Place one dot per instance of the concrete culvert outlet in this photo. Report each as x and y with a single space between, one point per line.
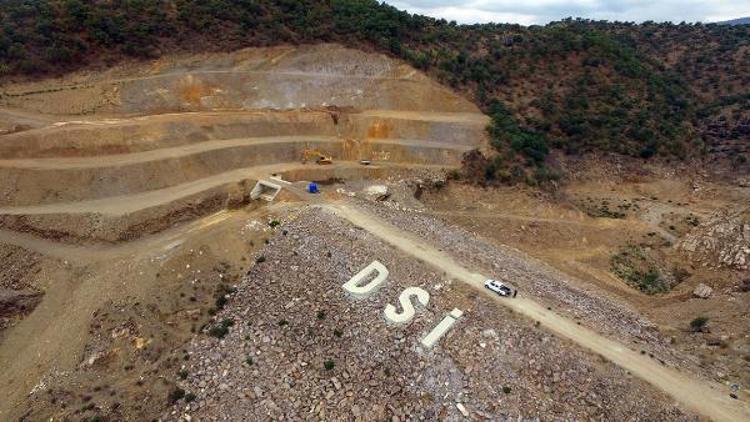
265 190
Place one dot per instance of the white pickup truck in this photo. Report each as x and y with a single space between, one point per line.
498 288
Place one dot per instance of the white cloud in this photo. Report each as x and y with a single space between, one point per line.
527 12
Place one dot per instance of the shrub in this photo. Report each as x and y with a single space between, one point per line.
698 324
634 266
506 389
221 296
651 282
512 141
321 315
221 330
176 395
329 365
505 132
218 331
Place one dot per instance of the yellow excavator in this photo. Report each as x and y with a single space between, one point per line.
317 156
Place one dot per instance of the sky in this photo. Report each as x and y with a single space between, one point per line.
530 12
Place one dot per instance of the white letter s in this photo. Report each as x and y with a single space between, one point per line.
404 298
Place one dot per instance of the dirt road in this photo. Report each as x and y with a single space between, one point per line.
83 255
199 73
125 204
604 223
103 161
22 117
433 116
706 398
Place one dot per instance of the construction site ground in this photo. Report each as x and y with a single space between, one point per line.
140 281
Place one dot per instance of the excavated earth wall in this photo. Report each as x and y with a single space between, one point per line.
128 152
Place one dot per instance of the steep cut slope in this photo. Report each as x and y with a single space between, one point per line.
274 78
574 85
142 143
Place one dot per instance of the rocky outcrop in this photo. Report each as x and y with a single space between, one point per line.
702 291
722 241
377 192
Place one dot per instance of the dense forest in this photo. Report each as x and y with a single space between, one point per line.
647 90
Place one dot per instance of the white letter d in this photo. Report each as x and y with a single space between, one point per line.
361 292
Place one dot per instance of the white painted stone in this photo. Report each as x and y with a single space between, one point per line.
439 331
405 299
352 286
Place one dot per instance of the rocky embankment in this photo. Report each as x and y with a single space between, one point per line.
291 345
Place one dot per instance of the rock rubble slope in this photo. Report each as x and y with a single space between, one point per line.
299 348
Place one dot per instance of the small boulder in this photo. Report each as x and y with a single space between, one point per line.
377 192
461 408
489 333
703 291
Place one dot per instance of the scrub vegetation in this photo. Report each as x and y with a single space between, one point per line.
633 265
577 86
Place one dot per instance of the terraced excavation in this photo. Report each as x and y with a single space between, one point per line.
137 171
143 281
115 164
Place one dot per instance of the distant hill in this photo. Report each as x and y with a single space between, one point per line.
651 89
740 21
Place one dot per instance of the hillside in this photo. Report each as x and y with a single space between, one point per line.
577 86
196 198
739 21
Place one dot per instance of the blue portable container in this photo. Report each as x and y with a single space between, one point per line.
312 188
